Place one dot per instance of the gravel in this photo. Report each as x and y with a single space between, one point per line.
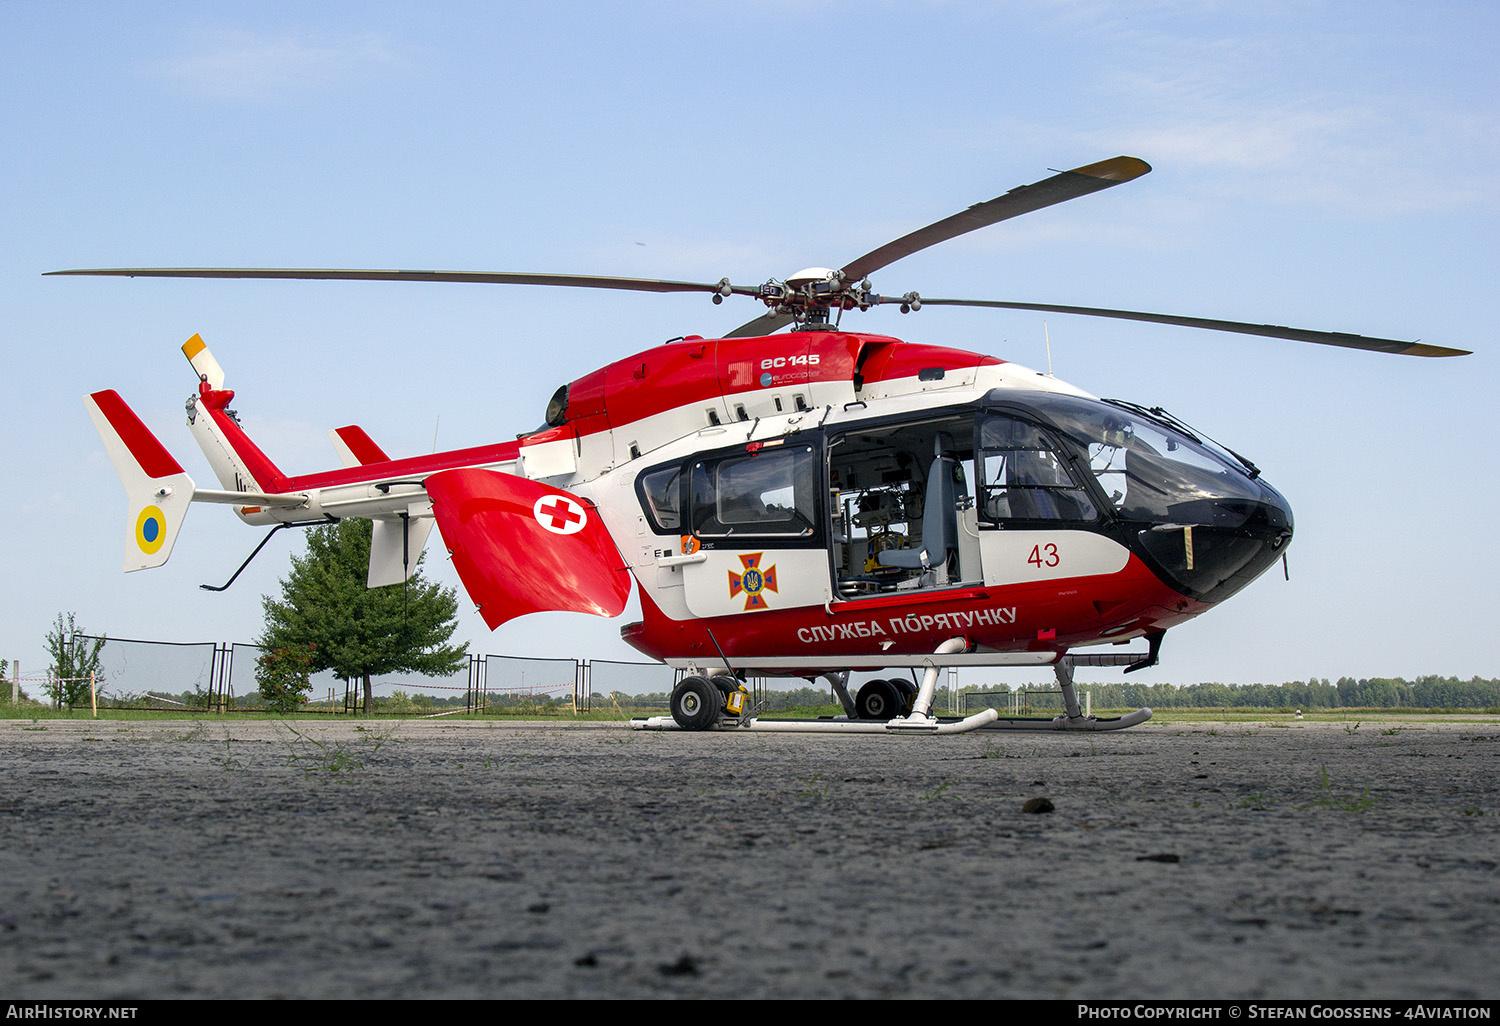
227 859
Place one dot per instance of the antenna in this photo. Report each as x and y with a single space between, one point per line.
440 420
1048 339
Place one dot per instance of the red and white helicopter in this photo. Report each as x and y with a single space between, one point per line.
800 504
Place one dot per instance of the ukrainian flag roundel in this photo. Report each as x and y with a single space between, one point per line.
150 529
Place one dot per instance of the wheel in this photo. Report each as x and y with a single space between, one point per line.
877 700
908 692
696 703
730 686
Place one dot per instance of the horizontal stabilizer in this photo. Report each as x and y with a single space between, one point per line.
157 488
522 547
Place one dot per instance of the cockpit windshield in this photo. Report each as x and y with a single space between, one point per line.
1147 470
1204 519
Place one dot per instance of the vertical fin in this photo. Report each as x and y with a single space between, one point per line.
156 486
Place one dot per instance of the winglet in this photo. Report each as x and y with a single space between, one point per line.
355 447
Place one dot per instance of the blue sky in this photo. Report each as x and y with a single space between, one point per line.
1325 165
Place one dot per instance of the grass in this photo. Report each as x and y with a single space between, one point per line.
331 758
44 713
1324 797
937 792
810 788
1350 718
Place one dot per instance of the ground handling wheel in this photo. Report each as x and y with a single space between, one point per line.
878 700
734 693
696 703
908 695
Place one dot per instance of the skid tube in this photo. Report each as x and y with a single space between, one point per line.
831 726
920 721
1073 717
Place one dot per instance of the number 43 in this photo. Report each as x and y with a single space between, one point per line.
1043 555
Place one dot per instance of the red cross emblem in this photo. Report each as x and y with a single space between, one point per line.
559 514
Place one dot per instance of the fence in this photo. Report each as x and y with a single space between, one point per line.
210 675
1023 701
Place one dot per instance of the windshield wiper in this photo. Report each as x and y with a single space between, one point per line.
1161 416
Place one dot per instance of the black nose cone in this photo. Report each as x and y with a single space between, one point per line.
1217 545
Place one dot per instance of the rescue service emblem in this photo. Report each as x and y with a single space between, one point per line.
559 514
752 582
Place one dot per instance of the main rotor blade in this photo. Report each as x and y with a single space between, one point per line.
766 323
1323 338
1021 200
586 281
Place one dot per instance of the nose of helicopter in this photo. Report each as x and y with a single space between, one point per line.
1220 543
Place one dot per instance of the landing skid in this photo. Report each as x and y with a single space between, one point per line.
984 721
695 698
1069 722
903 725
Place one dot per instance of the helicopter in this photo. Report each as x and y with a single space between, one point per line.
808 503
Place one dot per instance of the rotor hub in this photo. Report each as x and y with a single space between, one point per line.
812 292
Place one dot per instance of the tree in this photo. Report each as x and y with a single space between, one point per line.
74 661
360 632
282 674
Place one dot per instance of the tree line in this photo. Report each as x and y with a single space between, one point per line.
1427 692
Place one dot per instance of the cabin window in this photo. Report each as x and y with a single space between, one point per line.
770 491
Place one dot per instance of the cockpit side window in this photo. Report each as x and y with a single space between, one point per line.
660 493
1024 476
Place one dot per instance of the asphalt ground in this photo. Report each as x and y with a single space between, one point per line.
439 858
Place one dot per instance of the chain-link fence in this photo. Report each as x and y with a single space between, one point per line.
158 674
521 684
208 675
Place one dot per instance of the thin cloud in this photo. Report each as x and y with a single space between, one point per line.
246 66
1334 156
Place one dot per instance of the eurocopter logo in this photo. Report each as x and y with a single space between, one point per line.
559 514
753 583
